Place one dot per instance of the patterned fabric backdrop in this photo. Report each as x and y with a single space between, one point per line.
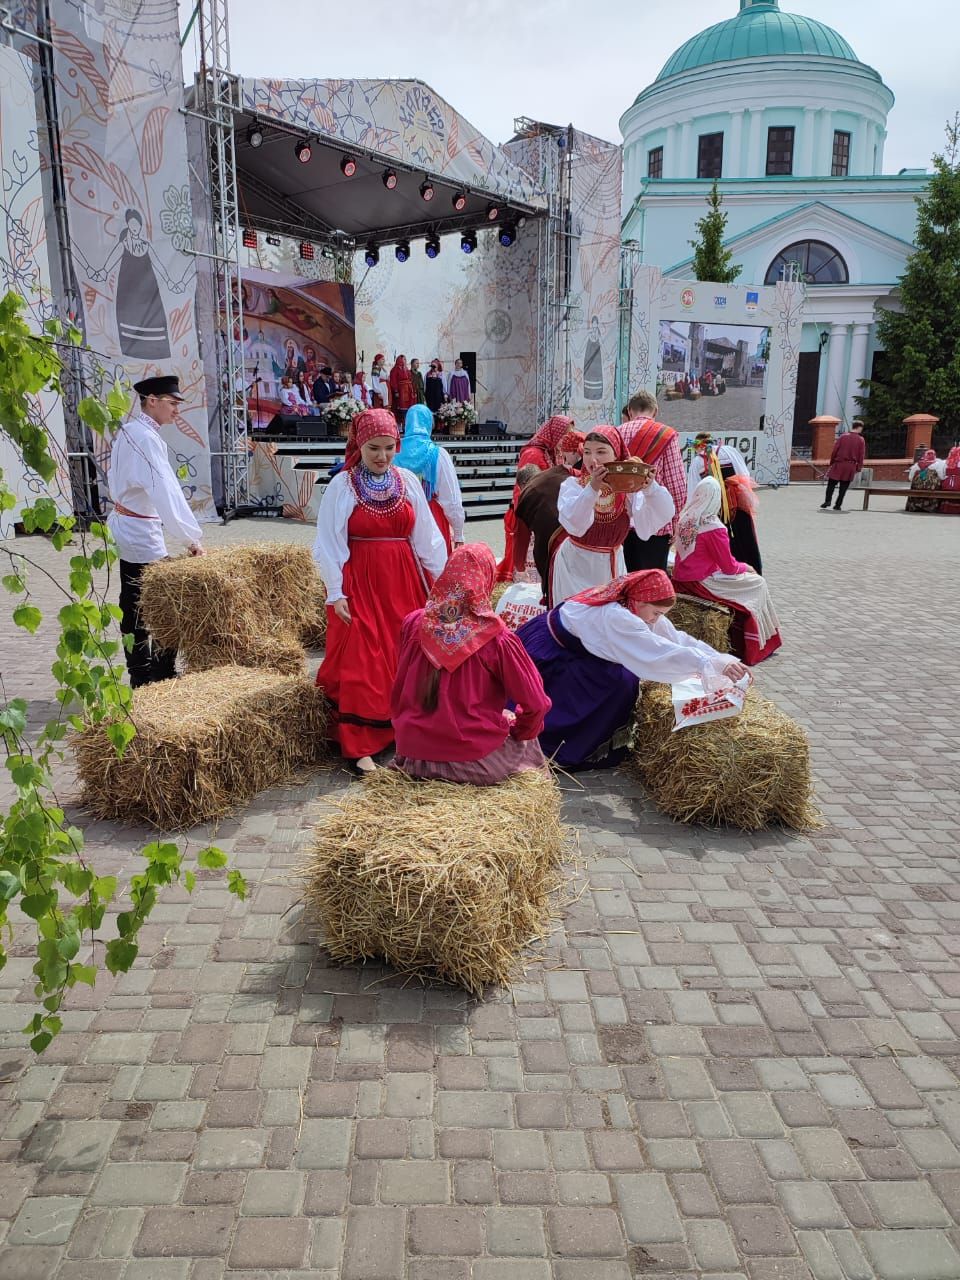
24 266
124 149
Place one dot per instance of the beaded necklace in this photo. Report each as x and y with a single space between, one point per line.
609 506
379 495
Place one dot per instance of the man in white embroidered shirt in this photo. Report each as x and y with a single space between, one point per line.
147 500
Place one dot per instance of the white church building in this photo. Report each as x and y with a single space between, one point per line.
780 111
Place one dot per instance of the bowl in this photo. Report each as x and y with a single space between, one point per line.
627 477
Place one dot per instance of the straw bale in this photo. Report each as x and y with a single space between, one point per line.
497 592
205 743
749 771
703 620
313 633
440 879
246 605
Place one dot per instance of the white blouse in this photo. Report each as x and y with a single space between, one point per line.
650 509
142 479
448 494
939 469
660 652
331 548
726 456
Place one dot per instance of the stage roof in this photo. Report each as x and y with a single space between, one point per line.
399 124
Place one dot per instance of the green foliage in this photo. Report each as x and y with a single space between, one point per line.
922 341
44 868
711 261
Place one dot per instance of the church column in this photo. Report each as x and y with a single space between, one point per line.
859 165
671 154
836 362
688 168
858 370
806 162
756 146
733 157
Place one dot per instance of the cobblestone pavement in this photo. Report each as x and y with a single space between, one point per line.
738 1061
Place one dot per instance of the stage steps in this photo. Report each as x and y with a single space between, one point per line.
486 466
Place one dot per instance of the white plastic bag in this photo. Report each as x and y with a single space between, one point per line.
693 704
519 603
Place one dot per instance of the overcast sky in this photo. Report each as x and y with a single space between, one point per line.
584 61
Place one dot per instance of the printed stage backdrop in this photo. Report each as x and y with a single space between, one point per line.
722 358
124 148
24 266
292 326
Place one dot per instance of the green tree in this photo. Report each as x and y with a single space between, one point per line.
44 868
711 261
922 341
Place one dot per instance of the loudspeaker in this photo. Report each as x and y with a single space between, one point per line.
469 359
283 424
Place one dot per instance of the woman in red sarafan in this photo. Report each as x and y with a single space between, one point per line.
458 669
402 395
378 549
543 451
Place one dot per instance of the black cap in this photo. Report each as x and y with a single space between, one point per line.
165 386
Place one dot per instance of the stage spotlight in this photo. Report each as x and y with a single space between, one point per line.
389 178
459 201
507 234
521 221
468 241
426 189
303 151
348 166
250 240
493 212
402 250
255 136
306 251
372 256
432 247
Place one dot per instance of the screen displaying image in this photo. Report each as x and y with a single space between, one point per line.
711 377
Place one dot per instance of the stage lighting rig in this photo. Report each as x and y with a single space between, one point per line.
402 251
459 201
306 251
348 166
507 234
468 241
250 240
254 136
432 247
303 151
372 255
389 179
426 190
493 212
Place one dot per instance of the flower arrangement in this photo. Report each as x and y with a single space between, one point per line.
454 416
338 414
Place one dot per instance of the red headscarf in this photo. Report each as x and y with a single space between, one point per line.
612 437
572 442
927 459
549 435
458 619
646 586
367 426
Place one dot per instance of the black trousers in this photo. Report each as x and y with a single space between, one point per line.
146 662
831 485
646 553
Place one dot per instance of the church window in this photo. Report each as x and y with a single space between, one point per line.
811 261
841 154
780 151
655 162
710 155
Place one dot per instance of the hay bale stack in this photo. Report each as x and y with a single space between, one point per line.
205 743
497 592
749 772
313 632
704 621
246 605
442 880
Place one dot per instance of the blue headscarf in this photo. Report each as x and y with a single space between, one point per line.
418 453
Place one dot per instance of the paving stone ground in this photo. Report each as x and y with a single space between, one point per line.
738 1059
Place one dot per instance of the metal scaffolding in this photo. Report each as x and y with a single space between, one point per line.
217 101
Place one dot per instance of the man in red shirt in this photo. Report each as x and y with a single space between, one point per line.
659 445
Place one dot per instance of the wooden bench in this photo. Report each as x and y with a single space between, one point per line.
927 495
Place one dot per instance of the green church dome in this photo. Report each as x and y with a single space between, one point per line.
759 30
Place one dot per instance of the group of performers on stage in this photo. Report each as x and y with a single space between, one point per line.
416 655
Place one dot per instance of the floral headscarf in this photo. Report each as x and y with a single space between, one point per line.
611 436
459 619
702 512
548 436
646 586
367 426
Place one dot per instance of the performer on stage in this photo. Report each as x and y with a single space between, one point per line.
458 669
433 388
597 521
360 392
543 451
401 388
659 445
377 550
379 384
460 388
433 466
416 377
593 651
739 504
705 567
147 500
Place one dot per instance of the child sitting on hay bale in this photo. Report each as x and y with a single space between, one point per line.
592 653
459 667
